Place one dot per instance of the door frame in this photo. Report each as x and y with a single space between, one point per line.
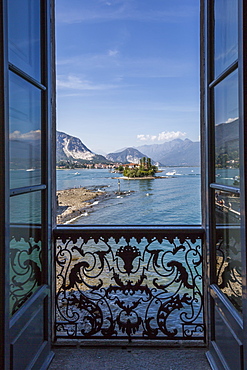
232 321
11 329
4 195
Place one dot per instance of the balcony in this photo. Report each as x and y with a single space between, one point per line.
129 283
126 294
129 358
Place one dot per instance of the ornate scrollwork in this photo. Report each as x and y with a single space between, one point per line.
143 287
228 254
25 271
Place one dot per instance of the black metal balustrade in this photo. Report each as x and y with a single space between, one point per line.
129 282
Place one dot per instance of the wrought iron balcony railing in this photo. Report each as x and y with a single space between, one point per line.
129 282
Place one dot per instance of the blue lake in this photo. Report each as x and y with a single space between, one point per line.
174 200
170 201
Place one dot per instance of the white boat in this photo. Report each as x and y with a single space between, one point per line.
171 173
77 173
30 170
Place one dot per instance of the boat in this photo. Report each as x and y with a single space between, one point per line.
77 173
171 173
30 170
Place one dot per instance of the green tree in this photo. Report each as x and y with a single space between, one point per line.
145 169
141 163
149 163
144 162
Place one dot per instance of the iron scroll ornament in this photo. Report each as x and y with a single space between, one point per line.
228 264
25 270
118 287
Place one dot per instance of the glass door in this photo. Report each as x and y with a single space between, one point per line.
28 126
224 173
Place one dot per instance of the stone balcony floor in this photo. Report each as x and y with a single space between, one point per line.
129 357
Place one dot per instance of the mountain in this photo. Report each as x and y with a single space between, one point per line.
72 148
158 150
227 135
173 153
25 154
176 152
227 144
128 155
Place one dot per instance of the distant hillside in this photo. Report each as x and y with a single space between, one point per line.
227 144
227 134
173 153
25 154
128 155
72 148
176 152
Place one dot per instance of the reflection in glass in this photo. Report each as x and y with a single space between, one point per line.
226 34
228 246
25 248
26 208
227 131
24 36
25 270
25 133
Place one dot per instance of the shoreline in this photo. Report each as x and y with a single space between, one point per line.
73 203
142 178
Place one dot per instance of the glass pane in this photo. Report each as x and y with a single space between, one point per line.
227 131
26 209
226 34
25 133
24 36
228 247
25 248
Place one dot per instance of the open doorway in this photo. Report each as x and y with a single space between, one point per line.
128 149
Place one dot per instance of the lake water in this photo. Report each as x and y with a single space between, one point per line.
174 200
167 201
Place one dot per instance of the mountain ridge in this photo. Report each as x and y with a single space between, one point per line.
128 155
71 148
176 152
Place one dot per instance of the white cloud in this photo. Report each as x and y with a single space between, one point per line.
76 83
162 136
31 135
113 53
231 120
112 61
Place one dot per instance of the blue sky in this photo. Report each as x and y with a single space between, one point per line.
127 71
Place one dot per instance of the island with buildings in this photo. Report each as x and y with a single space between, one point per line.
145 169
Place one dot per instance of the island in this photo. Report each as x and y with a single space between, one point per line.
144 169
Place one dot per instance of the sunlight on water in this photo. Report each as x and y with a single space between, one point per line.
172 200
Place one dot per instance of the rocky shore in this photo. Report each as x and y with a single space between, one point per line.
72 203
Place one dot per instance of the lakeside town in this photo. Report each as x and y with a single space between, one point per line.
63 165
141 169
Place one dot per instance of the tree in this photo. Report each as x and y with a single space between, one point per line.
144 162
145 169
149 163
